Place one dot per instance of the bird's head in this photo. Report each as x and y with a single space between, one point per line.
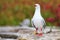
37 6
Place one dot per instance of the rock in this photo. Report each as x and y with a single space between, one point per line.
47 30
26 22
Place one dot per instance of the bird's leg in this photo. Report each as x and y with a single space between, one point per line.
35 32
40 33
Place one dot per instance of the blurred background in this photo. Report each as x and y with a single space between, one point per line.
14 12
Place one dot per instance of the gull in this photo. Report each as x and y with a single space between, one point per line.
38 21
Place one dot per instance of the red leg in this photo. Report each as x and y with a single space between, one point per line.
36 29
40 34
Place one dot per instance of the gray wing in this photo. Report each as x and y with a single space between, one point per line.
33 24
44 24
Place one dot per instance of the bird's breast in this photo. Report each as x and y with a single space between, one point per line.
37 22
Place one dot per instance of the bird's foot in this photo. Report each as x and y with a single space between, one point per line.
39 34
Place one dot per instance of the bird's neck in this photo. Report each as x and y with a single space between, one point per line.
37 12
